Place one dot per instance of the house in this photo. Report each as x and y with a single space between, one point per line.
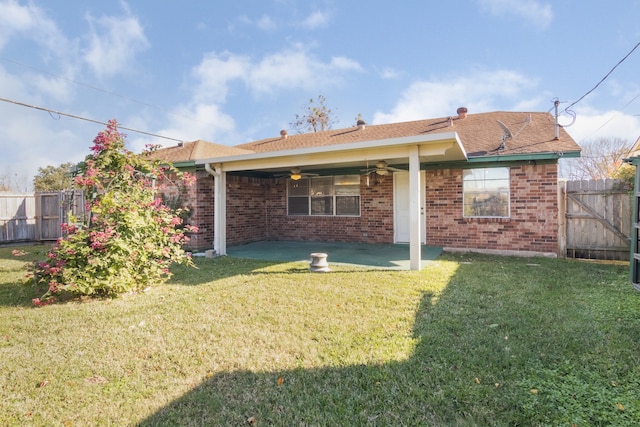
480 182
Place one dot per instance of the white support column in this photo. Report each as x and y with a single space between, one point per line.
220 211
415 232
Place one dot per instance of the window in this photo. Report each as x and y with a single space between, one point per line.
485 192
327 195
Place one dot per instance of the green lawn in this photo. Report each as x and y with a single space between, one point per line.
470 340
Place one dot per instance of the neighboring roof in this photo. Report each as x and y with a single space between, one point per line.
634 151
194 150
480 134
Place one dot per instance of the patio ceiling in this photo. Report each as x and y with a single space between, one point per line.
345 158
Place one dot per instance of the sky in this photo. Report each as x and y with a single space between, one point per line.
236 71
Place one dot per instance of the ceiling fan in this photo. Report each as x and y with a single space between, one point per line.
296 174
381 168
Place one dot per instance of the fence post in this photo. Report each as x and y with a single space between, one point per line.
562 218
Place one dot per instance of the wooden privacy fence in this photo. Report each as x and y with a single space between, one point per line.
597 219
37 217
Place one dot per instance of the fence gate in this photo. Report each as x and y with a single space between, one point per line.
598 220
50 214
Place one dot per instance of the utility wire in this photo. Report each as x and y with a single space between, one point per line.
73 116
616 115
605 77
105 91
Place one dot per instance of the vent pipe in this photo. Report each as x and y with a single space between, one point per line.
462 112
556 103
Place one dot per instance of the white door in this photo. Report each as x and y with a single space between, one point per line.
401 207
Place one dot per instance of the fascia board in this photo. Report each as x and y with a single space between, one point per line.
521 157
332 153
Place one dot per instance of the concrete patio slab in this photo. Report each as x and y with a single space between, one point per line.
384 256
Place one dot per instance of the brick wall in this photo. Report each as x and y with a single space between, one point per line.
198 198
201 205
374 225
246 209
256 210
532 226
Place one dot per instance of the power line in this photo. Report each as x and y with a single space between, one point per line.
105 91
73 116
616 115
605 77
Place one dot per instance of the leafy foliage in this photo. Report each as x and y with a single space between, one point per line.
53 178
130 238
627 174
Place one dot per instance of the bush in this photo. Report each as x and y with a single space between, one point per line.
130 237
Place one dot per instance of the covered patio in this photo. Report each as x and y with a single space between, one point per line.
383 256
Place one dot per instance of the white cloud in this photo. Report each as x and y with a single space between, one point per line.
297 69
11 85
593 124
38 140
439 98
31 22
215 73
344 63
219 73
266 23
315 20
29 19
389 73
114 42
188 122
532 11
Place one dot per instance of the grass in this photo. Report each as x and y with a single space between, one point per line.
470 340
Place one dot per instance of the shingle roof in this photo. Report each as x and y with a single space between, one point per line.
196 150
480 134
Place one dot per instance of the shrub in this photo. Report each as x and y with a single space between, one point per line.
129 239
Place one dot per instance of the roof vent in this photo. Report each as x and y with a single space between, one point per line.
283 134
462 112
361 124
180 144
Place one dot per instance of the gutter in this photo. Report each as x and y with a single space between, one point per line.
212 172
520 157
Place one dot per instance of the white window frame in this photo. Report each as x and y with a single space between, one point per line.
485 183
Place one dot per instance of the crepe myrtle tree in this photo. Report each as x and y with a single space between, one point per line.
128 240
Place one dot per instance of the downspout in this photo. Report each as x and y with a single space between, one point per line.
219 208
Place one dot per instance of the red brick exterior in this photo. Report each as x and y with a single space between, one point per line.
247 201
256 210
533 222
374 225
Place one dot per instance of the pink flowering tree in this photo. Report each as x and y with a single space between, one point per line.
129 238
